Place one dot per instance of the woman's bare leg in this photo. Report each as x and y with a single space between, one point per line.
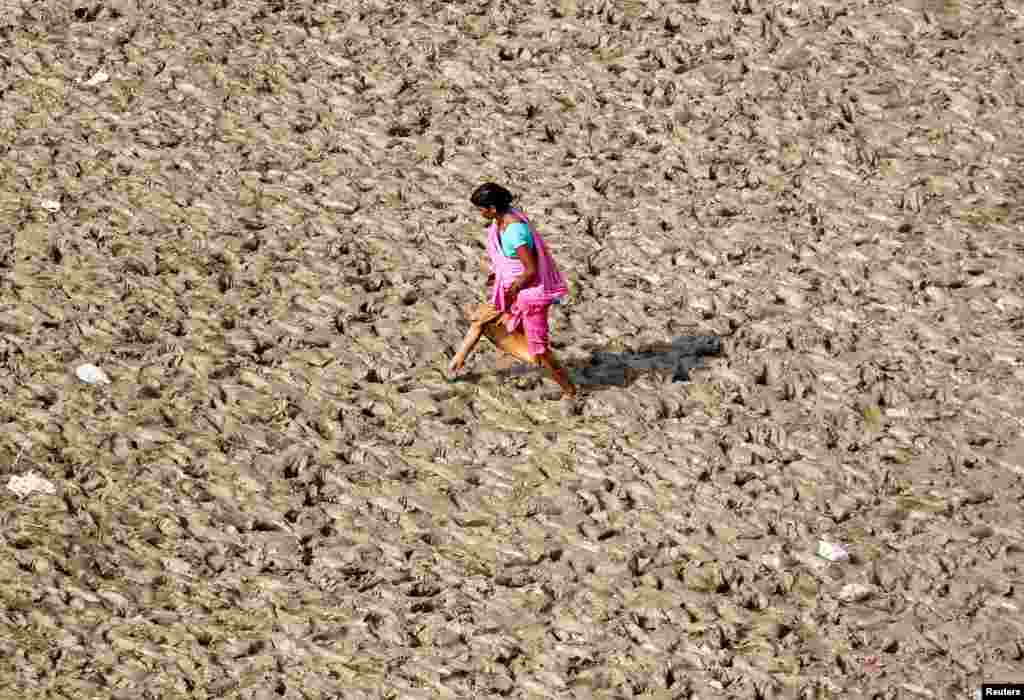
514 344
468 343
558 373
479 317
517 345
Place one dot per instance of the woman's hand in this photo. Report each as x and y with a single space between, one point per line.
512 292
529 260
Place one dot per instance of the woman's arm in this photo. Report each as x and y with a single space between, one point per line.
489 268
529 260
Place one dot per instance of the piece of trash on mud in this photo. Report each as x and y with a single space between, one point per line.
873 664
856 592
50 205
29 483
832 552
99 77
91 374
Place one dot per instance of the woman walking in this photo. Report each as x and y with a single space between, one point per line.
526 283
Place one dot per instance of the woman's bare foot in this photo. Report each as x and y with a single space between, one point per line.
560 376
572 404
456 366
558 373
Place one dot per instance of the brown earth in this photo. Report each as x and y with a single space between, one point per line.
254 217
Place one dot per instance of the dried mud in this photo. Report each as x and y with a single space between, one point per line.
793 232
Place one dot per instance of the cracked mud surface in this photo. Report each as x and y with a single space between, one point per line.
254 218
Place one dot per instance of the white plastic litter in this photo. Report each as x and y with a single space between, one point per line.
99 77
51 205
91 374
29 483
856 592
832 552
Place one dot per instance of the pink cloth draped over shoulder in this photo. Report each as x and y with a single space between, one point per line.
531 304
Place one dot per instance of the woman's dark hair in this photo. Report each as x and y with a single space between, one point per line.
491 195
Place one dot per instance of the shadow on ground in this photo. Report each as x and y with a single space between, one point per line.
621 369
605 369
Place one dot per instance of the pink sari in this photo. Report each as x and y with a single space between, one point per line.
530 309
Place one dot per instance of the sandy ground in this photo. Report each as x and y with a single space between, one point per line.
794 236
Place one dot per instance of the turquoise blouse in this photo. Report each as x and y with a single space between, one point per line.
515 235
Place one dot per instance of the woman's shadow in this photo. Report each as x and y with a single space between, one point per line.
674 359
603 369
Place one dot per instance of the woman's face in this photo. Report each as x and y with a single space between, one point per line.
488 213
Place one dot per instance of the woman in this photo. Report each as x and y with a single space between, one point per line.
526 283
